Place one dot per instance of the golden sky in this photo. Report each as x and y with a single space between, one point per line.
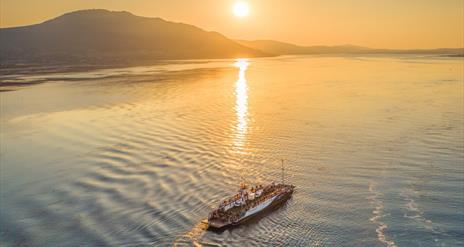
372 23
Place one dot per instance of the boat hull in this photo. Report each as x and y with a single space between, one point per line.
277 202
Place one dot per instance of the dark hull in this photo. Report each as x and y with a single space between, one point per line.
279 201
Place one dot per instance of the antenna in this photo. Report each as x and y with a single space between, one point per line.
283 173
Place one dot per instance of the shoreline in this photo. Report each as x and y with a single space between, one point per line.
11 75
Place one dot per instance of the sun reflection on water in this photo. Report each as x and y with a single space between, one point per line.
241 102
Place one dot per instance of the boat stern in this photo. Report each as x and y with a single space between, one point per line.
217 224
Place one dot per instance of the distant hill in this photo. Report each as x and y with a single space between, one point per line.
281 48
102 36
106 38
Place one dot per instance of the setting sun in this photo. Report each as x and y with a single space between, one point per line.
241 9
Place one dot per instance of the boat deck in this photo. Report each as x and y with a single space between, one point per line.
237 212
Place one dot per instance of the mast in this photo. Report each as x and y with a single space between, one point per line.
283 178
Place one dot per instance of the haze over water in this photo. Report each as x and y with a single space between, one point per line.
139 156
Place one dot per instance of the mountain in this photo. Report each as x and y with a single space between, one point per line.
281 48
107 37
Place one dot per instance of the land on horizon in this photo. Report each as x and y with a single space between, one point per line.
107 38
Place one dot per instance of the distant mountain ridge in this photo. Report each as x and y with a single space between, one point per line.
102 36
281 48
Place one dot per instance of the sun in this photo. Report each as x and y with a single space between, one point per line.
241 9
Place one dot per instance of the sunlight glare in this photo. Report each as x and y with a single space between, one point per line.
241 9
241 103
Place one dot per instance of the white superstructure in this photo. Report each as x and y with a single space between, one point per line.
259 207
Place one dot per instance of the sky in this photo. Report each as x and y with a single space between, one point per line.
400 24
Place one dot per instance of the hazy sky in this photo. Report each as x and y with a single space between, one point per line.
373 23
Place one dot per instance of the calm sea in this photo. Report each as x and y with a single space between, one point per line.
139 156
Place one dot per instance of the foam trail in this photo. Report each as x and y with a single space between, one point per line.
376 200
414 211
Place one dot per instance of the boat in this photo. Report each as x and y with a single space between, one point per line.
249 202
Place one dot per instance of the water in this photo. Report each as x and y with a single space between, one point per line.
139 156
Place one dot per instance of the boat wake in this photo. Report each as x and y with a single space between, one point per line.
191 237
376 200
414 211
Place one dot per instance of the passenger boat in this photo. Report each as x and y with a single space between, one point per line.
249 202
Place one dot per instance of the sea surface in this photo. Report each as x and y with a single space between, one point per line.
139 156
